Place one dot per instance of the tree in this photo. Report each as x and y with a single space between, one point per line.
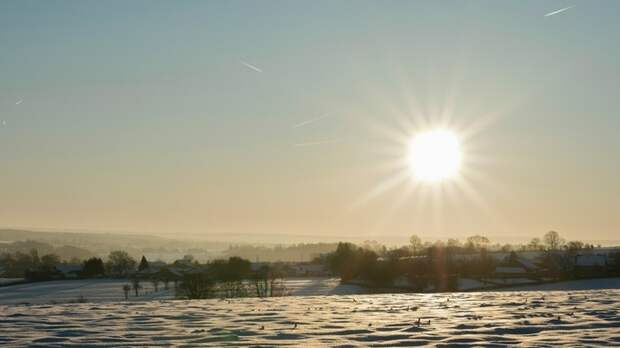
49 261
120 263
275 275
342 262
453 243
477 242
553 240
144 264
34 255
93 267
155 283
415 243
535 244
231 274
135 284
260 278
195 286
573 246
17 264
166 276
126 289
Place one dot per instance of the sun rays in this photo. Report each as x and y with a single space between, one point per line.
433 162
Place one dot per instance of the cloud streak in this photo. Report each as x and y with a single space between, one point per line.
19 102
310 121
559 11
315 143
250 66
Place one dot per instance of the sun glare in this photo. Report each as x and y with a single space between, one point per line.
435 155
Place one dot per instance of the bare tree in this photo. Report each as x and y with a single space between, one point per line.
120 263
155 283
535 244
553 240
415 243
126 289
195 286
477 242
135 284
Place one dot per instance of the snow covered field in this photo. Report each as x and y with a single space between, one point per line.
106 290
557 318
63 291
584 284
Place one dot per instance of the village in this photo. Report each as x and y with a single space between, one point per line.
371 267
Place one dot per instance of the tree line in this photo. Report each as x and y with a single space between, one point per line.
231 277
425 264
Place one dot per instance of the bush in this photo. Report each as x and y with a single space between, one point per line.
93 267
195 286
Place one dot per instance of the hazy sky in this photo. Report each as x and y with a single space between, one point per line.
264 118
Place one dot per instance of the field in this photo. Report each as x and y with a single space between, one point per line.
323 313
563 318
106 290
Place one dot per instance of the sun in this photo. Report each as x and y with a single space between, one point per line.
435 155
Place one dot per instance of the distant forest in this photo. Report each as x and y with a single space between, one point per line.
70 247
285 253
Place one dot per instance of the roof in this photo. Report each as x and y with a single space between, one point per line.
527 264
68 268
590 260
310 267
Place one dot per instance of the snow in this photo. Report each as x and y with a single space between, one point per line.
6 281
512 281
63 291
106 290
510 270
584 284
517 318
468 284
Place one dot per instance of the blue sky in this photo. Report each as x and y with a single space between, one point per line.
140 116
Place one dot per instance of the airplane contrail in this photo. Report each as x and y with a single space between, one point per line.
316 143
307 122
559 11
18 102
250 66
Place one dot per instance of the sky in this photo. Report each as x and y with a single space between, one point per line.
281 120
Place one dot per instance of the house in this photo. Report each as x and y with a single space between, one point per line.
255 266
590 265
308 269
153 268
527 264
515 266
590 260
69 271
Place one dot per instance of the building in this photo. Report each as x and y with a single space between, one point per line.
70 271
307 269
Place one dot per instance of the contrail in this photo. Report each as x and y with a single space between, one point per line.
250 66
316 143
559 11
18 102
307 122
